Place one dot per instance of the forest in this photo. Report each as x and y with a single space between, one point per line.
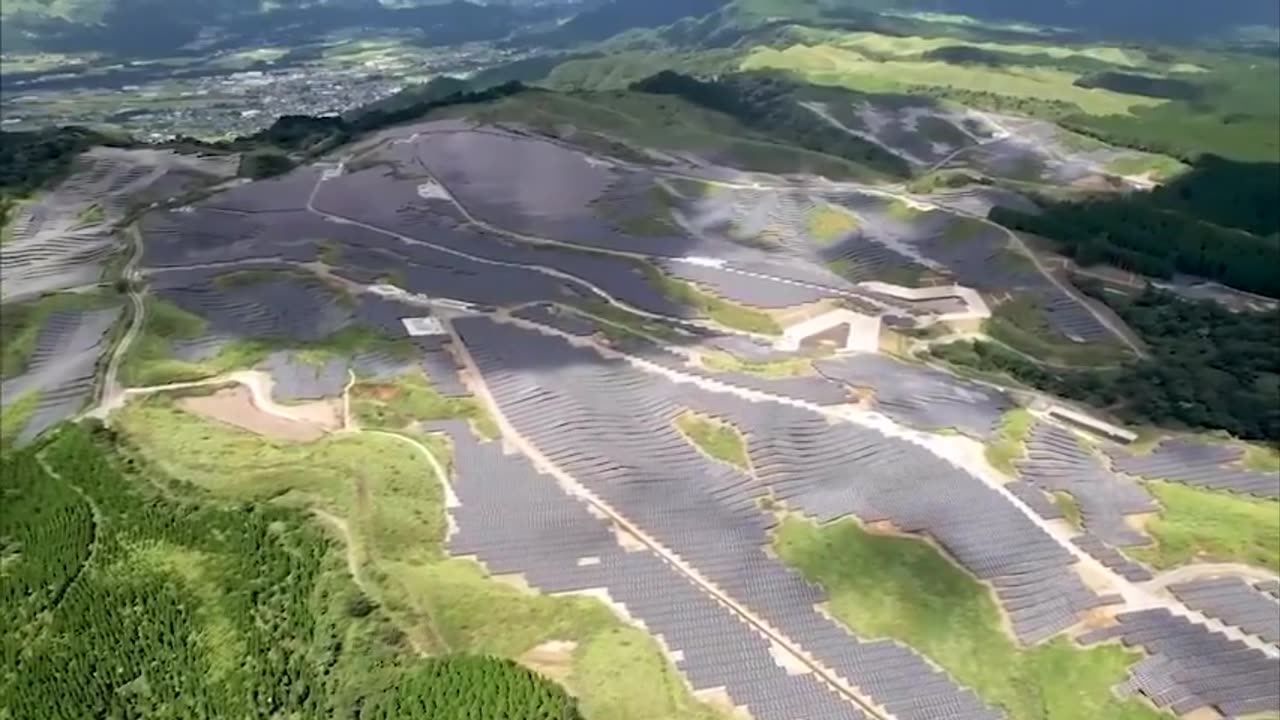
767 104
32 160
1209 368
1220 221
128 594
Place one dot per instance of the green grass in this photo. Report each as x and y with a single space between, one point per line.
384 490
1021 324
902 588
725 312
715 437
848 66
1160 167
727 362
1262 458
827 224
1069 507
21 323
900 210
1008 445
410 398
14 416
1211 526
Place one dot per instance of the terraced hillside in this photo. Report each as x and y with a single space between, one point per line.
658 422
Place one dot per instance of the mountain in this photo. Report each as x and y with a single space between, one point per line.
151 27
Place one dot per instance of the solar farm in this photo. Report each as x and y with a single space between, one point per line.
537 317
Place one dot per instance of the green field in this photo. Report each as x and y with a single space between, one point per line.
1209 526
381 487
902 588
128 592
715 437
827 224
727 362
399 403
1008 445
1021 324
1066 502
849 67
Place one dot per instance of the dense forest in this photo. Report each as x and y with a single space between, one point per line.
1134 84
1219 221
1209 368
767 104
127 594
32 160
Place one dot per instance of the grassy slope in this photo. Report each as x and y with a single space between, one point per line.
397 520
849 67
902 588
1210 526
790 367
827 223
1007 446
715 437
409 398
1023 325
14 416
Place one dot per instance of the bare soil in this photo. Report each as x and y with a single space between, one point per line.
235 407
553 658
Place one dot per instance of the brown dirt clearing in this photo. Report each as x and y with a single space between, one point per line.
235 407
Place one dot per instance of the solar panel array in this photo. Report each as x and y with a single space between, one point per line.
834 470
1112 558
1234 602
1202 464
1189 667
919 396
1056 462
1036 499
515 520
609 426
294 379
62 367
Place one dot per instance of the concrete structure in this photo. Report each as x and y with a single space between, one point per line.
863 334
1091 424
960 307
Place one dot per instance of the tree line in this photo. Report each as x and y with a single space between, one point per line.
1209 368
1220 221
768 104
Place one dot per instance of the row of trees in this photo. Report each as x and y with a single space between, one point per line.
768 104
1219 222
128 602
1209 368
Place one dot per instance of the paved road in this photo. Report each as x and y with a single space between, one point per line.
110 393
